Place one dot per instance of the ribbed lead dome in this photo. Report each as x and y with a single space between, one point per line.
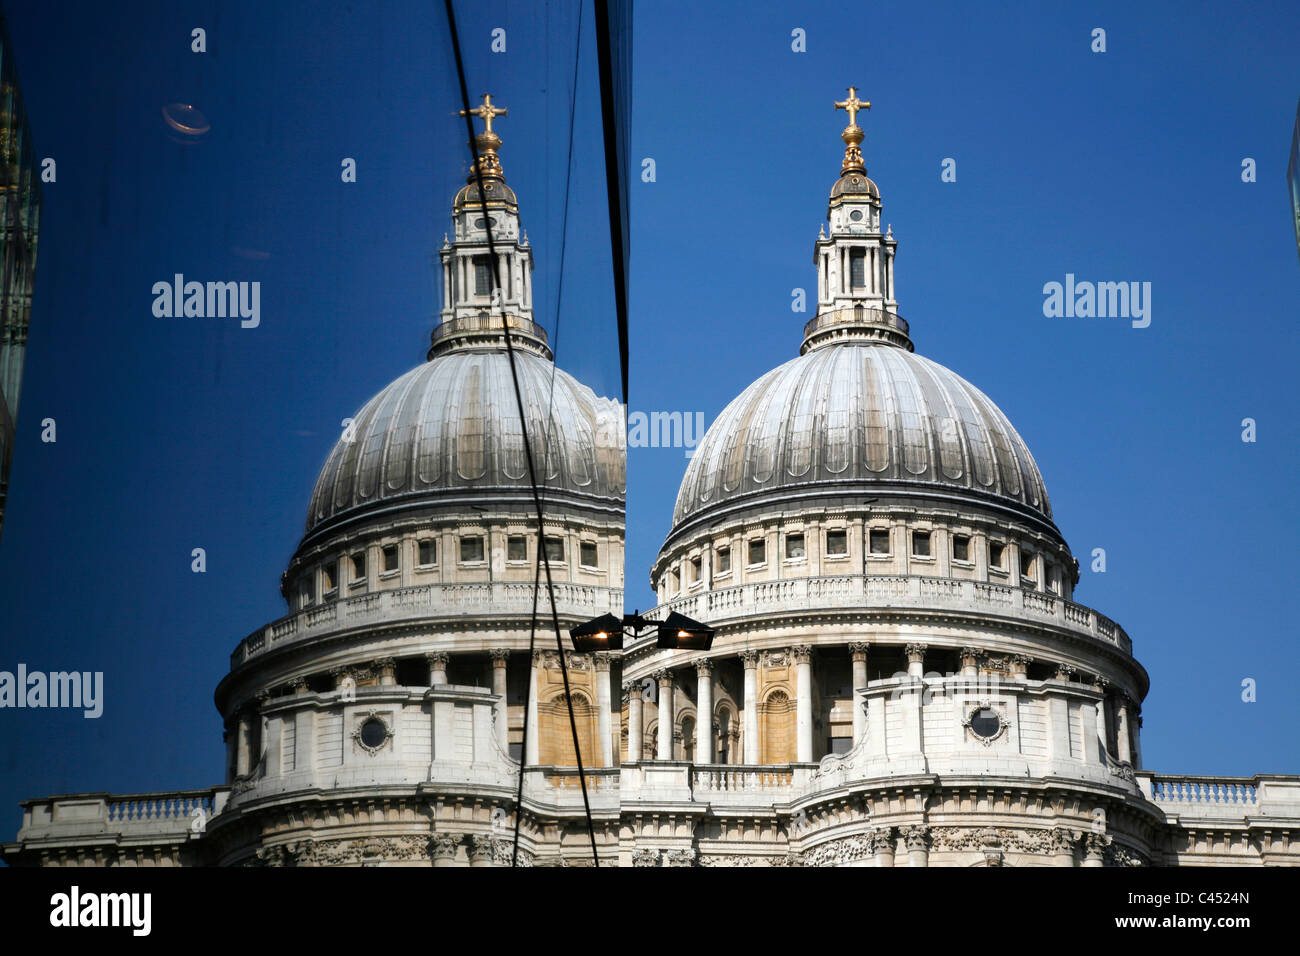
452 424
867 415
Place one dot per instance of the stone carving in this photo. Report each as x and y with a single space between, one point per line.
775 659
858 650
883 840
704 667
444 846
680 857
645 856
1003 723
499 653
749 658
838 852
802 653
915 652
397 849
915 837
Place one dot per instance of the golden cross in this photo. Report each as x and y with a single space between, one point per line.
486 112
852 105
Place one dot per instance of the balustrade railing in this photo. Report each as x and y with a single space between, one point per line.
583 601
882 590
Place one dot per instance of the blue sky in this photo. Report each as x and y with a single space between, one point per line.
174 434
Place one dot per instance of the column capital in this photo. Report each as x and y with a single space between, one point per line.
916 837
858 650
802 653
437 658
1021 661
749 658
630 687
499 656
703 666
444 845
383 662
602 659
1065 671
969 655
664 676
481 847
915 652
883 840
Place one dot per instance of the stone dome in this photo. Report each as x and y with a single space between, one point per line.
855 184
861 418
451 427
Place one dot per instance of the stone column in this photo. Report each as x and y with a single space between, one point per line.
704 710
917 839
750 730
437 666
444 847
664 751
533 755
804 703
1122 731
1095 849
915 659
858 652
1062 843
1020 666
243 743
500 659
635 723
883 844
480 850
970 657
601 661
387 667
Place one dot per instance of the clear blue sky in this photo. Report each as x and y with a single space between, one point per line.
176 434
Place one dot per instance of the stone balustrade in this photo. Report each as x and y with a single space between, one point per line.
426 601
766 599
157 815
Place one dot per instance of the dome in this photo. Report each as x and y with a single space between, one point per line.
452 425
854 184
494 191
861 418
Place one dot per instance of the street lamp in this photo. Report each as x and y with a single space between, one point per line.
677 632
604 633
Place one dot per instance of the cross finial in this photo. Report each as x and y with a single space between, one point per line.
487 142
487 112
852 105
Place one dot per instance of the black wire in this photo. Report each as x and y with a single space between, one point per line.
528 453
614 181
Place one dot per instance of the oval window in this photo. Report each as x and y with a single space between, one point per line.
985 723
856 215
373 734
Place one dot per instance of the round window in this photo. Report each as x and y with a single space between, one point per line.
985 723
373 733
856 215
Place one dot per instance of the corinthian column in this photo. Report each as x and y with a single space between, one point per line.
1122 738
665 748
437 667
602 659
533 755
804 703
499 657
750 660
704 711
858 651
634 720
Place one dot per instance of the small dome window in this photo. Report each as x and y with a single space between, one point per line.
985 723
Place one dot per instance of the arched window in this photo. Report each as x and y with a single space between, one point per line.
777 729
687 748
